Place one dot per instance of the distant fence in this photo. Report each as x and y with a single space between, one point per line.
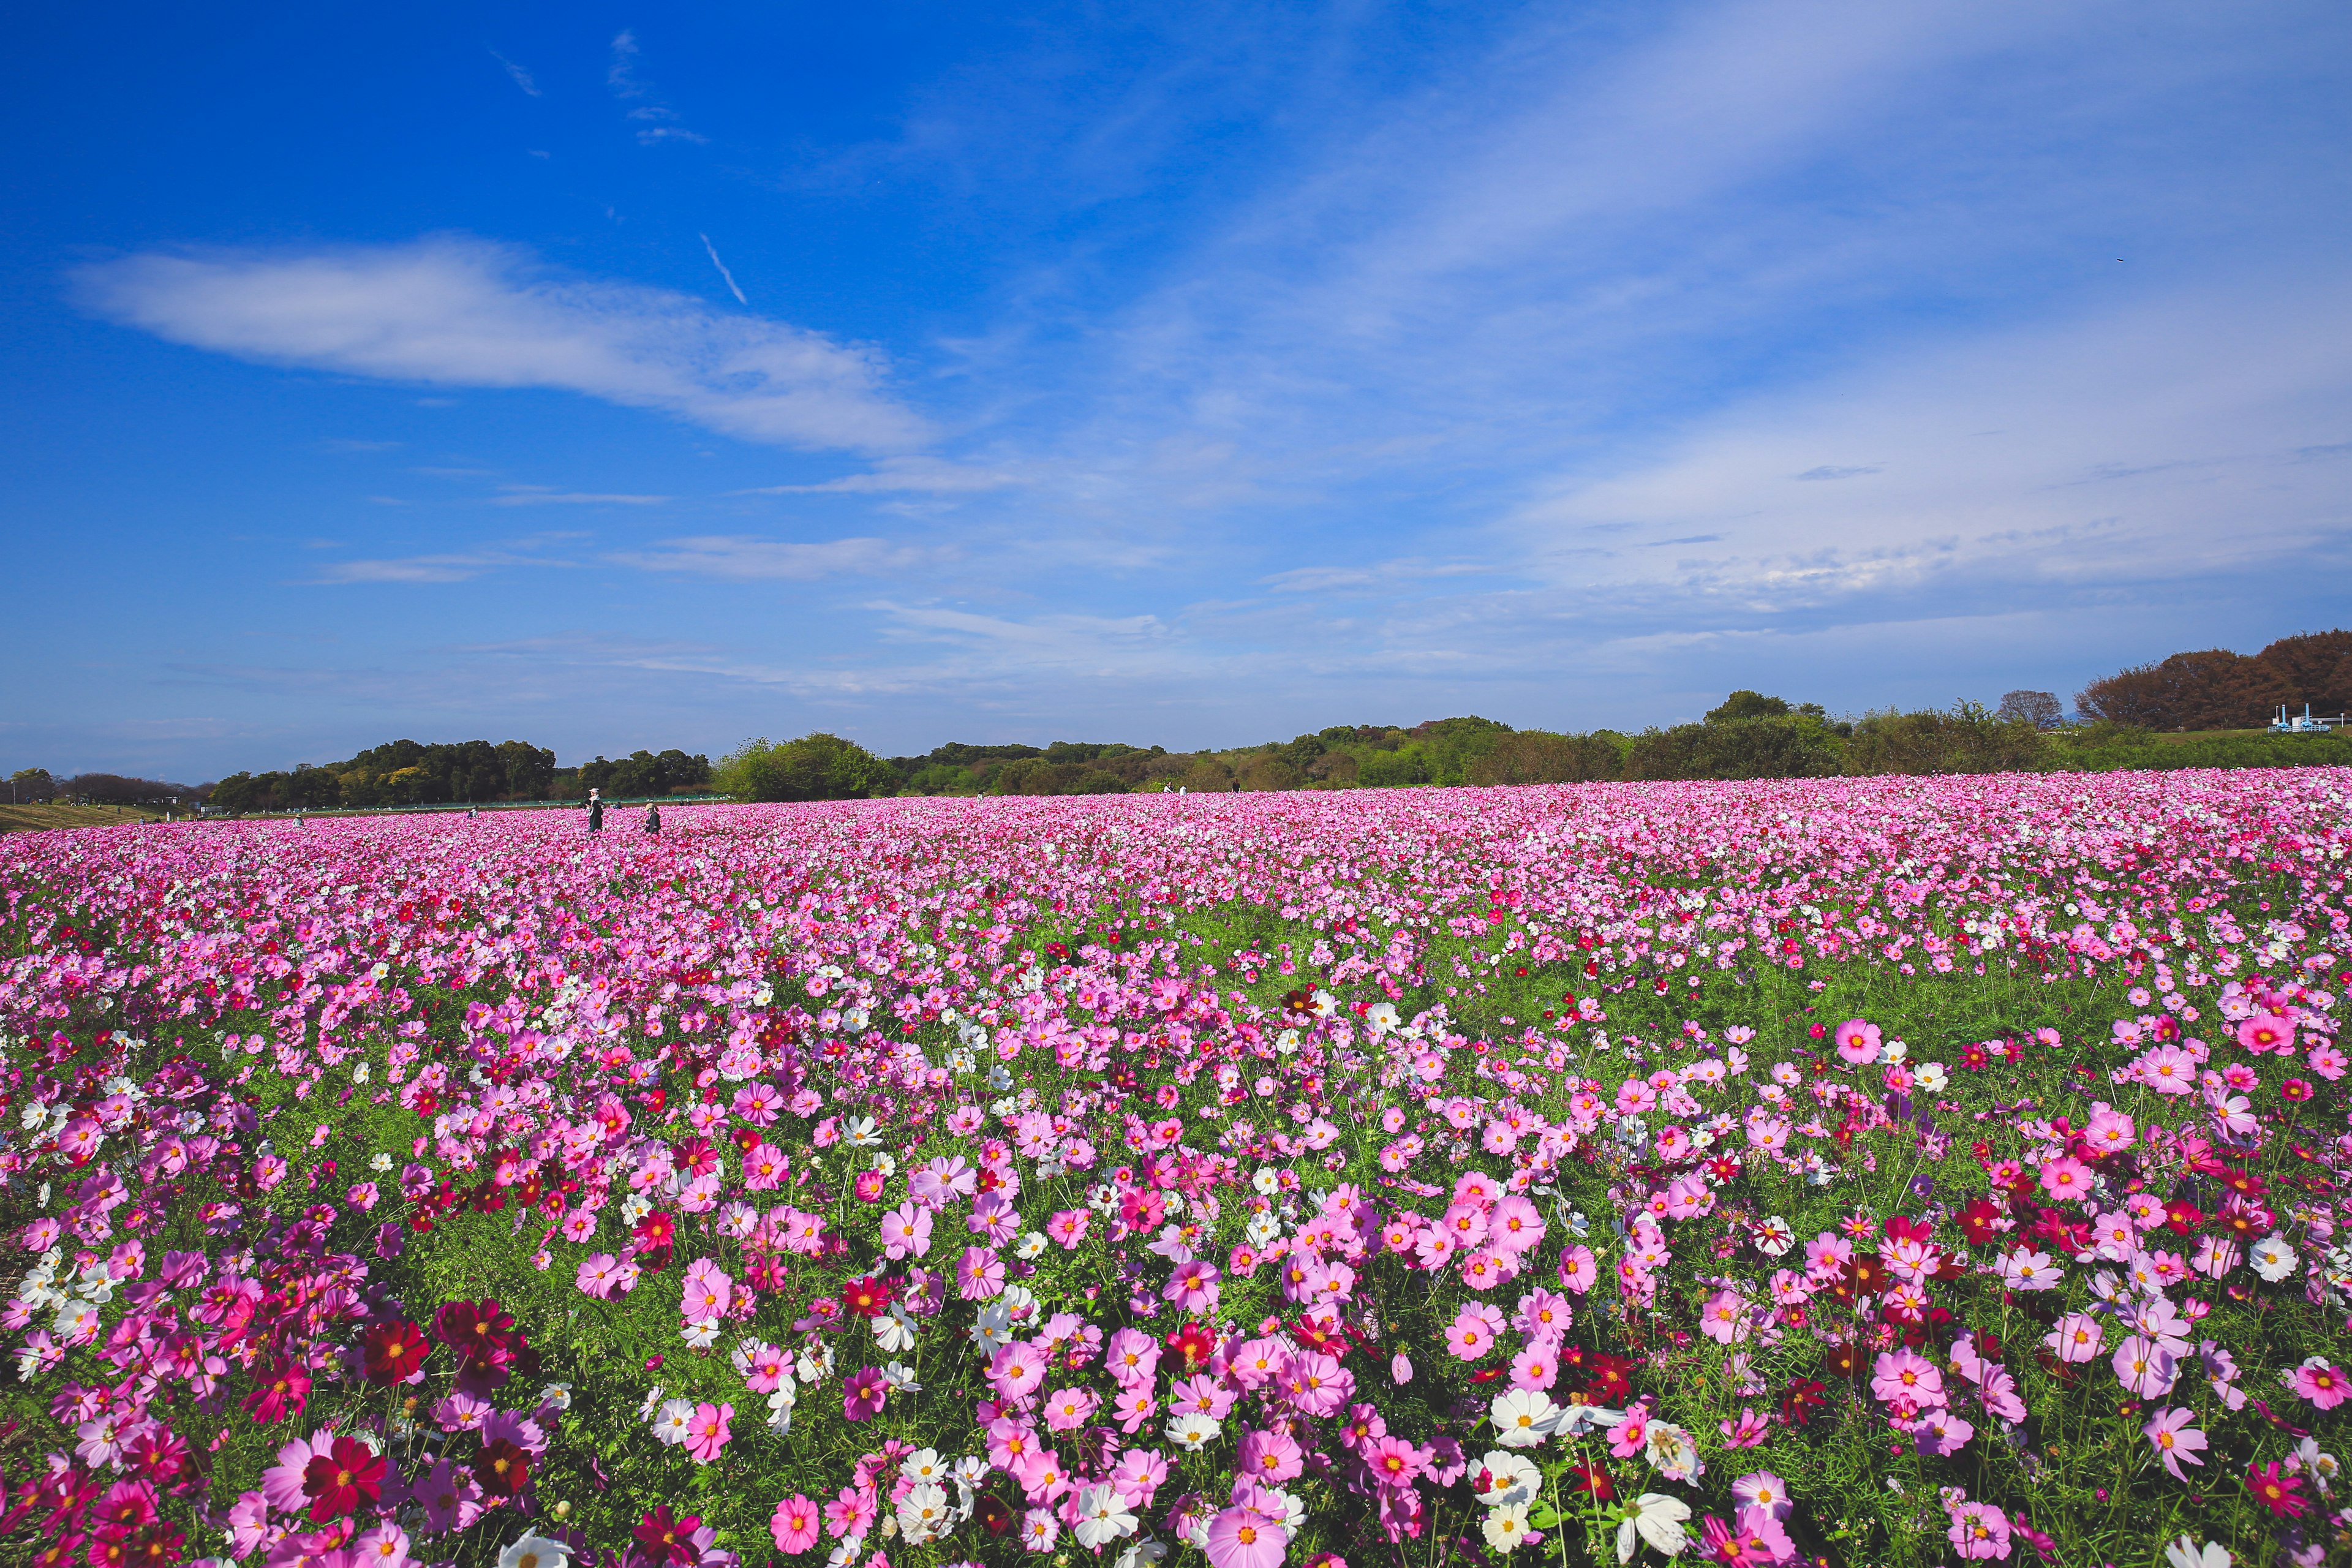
483 805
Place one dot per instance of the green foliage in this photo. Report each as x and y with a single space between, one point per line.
1535 756
820 766
1744 704
1967 738
1801 745
641 773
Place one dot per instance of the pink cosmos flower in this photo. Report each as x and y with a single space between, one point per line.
1577 1268
1472 1332
2066 1178
1903 1374
1723 1316
1978 1529
2174 1440
980 1274
1194 1286
1536 1367
1750 1431
1857 1042
864 1393
1068 1226
2324 1385
1270 1457
707 1433
1763 1490
1392 1461
2144 1367
1244 1538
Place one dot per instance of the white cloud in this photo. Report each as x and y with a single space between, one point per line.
2086 454
919 475
742 558
462 313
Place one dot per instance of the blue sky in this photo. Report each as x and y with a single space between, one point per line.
614 376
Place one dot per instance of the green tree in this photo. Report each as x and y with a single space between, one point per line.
1969 739
821 766
1533 756
1745 704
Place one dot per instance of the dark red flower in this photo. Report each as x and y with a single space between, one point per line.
503 1467
1591 1479
396 1354
475 1330
1803 1399
341 1480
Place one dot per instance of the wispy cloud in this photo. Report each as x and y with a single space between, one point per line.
464 312
621 76
451 566
534 495
742 558
732 287
921 475
1383 577
522 79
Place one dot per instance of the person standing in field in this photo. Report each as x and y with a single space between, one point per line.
595 811
653 819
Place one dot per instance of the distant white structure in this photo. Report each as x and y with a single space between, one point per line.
2303 723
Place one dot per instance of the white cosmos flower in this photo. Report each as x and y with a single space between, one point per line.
1658 1520
1509 1479
861 1133
1524 1417
1193 1432
535 1552
2273 1258
895 1331
922 1513
674 1421
1103 1518
1143 1554
2185 1554
1774 1236
1507 1527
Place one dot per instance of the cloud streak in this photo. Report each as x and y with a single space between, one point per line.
454 311
742 558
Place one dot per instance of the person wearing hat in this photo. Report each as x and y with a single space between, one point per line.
653 818
595 811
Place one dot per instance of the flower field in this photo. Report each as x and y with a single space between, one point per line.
1875 1172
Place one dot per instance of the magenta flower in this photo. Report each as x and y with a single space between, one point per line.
864 1393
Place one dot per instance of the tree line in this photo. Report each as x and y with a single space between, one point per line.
2119 720
1750 735
2214 688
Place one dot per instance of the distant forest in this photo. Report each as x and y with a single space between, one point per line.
2152 715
